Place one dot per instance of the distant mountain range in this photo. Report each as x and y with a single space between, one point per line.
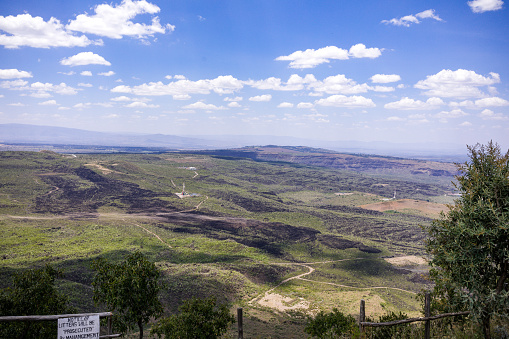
50 135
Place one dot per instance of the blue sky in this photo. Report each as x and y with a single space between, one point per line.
397 71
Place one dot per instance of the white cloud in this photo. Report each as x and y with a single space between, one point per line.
338 84
413 19
491 102
233 99
84 58
481 6
285 105
86 73
182 88
140 104
344 101
13 84
202 105
116 21
488 114
179 77
394 118
121 98
305 105
14 74
466 124
264 97
383 89
294 83
311 58
82 105
25 30
385 78
17 104
107 74
411 104
81 84
61 88
234 104
453 114
48 103
456 84
360 51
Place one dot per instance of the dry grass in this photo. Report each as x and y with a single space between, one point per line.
429 209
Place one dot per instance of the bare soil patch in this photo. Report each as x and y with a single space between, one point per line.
282 303
409 260
429 209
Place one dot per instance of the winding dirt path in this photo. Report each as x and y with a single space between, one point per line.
267 294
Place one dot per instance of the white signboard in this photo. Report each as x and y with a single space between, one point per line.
85 327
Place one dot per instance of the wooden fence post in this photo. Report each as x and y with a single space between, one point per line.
239 323
362 317
110 320
427 313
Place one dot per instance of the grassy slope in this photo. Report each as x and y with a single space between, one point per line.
295 217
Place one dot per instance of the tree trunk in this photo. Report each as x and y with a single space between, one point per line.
140 325
486 326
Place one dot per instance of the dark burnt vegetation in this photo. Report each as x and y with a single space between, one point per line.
84 190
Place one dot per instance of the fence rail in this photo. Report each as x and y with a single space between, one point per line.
427 318
58 316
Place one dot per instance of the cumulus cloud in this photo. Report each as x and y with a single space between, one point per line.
121 98
408 20
491 102
86 73
488 114
385 78
107 74
294 83
338 84
411 104
85 58
481 6
234 104
453 114
461 83
183 88
285 105
311 58
61 88
140 104
264 97
394 118
116 21
202 105
14 74
25 30
48 103
233 99
346 101
305 105
13 84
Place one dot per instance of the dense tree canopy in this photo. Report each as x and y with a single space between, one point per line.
198 318
129 289
33 292
469 245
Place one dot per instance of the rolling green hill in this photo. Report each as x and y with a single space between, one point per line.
244 225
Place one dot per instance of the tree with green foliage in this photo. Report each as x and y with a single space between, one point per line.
33 292
198 318
331 325
469 245
128 289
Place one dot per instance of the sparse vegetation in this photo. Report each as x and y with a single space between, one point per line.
255 222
